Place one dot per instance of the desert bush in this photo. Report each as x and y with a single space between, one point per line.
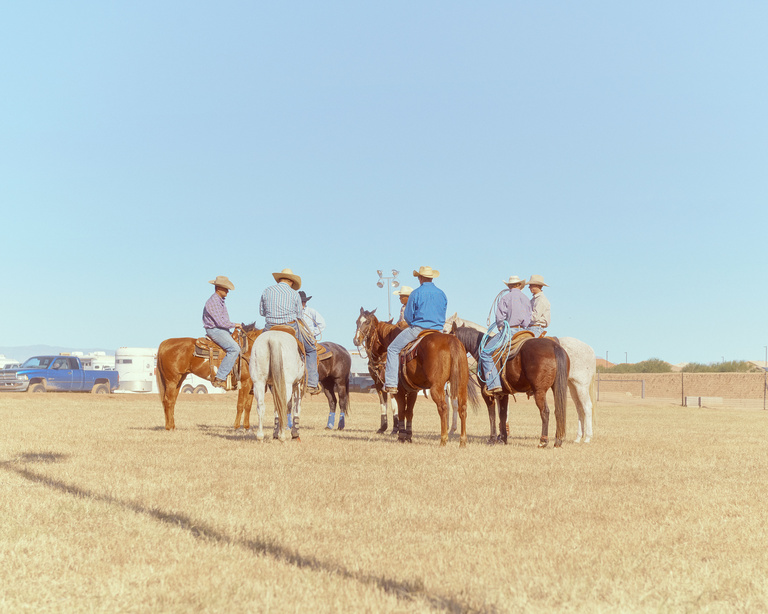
652 365
732 366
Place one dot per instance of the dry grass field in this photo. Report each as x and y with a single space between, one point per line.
105 511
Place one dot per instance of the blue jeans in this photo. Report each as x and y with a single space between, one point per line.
536 330
489 370
393 353
311 350
222 337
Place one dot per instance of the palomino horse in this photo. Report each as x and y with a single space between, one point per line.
439 359
539 365
176 359
275 360
334 376
581 380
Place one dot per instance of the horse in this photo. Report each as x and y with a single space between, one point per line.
277 362
176 359
439 359
539 365
581 380
334 376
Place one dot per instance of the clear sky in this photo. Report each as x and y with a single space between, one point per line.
619 149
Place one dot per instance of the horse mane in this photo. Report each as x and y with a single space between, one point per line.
470 337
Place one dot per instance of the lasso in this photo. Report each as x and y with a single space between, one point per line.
504 335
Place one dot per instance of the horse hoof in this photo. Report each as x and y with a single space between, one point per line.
542 444
297 439
382 430
453 430
587 439
492 441
463 443
577 440
558 443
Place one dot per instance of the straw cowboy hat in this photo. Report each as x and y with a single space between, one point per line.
514 279
537 280
288 274
223 281
404 291
426 271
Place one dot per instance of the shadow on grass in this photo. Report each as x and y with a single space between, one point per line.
402 589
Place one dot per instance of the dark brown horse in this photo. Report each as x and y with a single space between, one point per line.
540 365
334 376
176 359
440 359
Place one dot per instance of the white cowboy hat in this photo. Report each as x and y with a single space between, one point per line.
288 274
537 280
426 271
514 279
223 281
404 291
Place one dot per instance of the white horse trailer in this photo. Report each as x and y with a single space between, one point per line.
136 367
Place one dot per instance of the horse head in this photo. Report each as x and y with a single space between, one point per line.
366 323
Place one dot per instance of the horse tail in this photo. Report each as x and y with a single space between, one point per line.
278 379
159 371
560 390
458 354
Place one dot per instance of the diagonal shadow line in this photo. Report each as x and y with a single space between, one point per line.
404 590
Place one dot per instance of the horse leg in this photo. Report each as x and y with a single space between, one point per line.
504 418
576 394
438 396
169 403
295 404
540 396
405 420
259 393
331 396
383 407
490 402
341 389
243 398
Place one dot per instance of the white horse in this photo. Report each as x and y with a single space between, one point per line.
275 361
581 377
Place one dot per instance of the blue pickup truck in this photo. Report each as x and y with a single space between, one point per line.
57 374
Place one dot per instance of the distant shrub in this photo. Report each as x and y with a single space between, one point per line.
732 366
652 365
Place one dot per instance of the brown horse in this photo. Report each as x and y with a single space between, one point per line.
440 359
333 374
176 359
540 364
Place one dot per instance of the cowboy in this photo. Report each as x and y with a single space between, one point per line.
281 304
514 309
314 321
539 305
424 309
404 292
216 323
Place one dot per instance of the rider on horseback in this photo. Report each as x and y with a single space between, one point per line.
281 304
404 292
425 309
216 323
539 304
514 309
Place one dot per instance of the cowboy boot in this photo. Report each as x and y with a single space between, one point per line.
341 422
384 426
331 420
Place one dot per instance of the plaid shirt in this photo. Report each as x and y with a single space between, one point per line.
215 313
280 304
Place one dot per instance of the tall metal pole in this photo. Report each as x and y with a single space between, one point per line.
390 281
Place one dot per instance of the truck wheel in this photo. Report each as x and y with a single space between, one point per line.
187 389
201 390
100 389
36 388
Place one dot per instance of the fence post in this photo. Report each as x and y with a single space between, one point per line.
682 386
598 386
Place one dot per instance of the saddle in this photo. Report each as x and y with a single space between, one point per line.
511 349
408 353
323 352
209 350
284 328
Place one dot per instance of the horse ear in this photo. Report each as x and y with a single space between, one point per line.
374 311
362 311
454 328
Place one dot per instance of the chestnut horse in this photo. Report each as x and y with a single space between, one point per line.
440 359
176 359
540 364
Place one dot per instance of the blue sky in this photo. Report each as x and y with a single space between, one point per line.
618 149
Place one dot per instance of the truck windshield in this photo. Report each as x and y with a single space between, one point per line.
38 361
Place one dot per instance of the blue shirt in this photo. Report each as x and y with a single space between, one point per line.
426 307
280 304
515 308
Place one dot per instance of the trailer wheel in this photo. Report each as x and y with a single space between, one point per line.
187 389
36 387
201 390
100 389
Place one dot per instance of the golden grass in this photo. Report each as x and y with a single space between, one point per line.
105 511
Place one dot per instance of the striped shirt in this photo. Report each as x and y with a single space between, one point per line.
280 304
215 313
